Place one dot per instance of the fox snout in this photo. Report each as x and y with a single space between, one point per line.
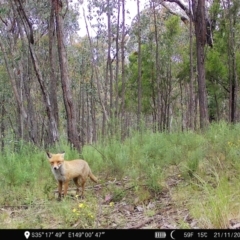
56 167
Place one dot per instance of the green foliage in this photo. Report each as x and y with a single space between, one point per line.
192 164
216 69
85 213
215 208
204 166
217 75
148 79
219 60
173 27
22 166
118 195
167 50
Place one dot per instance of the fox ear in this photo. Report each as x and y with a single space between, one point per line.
49 154
63 153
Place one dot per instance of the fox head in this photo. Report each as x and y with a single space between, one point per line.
56 160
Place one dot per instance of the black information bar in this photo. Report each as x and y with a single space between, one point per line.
147 234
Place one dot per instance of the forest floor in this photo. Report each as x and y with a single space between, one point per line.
152 181
117 206
152 212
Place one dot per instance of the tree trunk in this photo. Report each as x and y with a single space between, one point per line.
53 130
233 79
2 136
93 112
72 133
95 72
200 32
191 97
203 33
26 72
82 100
123 77
158 70
109 71
117 61
139 109
13 82
53 77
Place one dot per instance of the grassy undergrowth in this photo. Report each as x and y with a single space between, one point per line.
205 167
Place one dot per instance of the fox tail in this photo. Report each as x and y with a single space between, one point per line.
92 177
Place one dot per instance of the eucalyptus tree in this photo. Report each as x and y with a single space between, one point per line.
81 70
97 52
20 37
28 41
121 109
199 15
99 10
107 18
156 96
203 25
222 68
139 60
72 133
5 100
9 45
160 49
25 22
231 14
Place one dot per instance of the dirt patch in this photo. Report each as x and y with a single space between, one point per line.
153 212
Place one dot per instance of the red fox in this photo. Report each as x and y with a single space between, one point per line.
64 171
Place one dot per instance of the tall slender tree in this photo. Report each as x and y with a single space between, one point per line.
72 132
203 34
139 67
20 10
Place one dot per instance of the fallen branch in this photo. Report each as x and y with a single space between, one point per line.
141 224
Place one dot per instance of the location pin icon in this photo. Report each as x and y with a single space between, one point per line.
27 234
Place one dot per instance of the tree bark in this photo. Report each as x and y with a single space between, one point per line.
200 32
53 77
72 133
191 96
233 78
109 71
158 71
139 109
123 77
116 105
3 112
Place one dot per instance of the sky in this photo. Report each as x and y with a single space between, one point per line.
131 6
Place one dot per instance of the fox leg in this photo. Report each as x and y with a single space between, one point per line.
83 188
65 185
59 189
77 184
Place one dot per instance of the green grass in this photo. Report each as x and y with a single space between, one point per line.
204 168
